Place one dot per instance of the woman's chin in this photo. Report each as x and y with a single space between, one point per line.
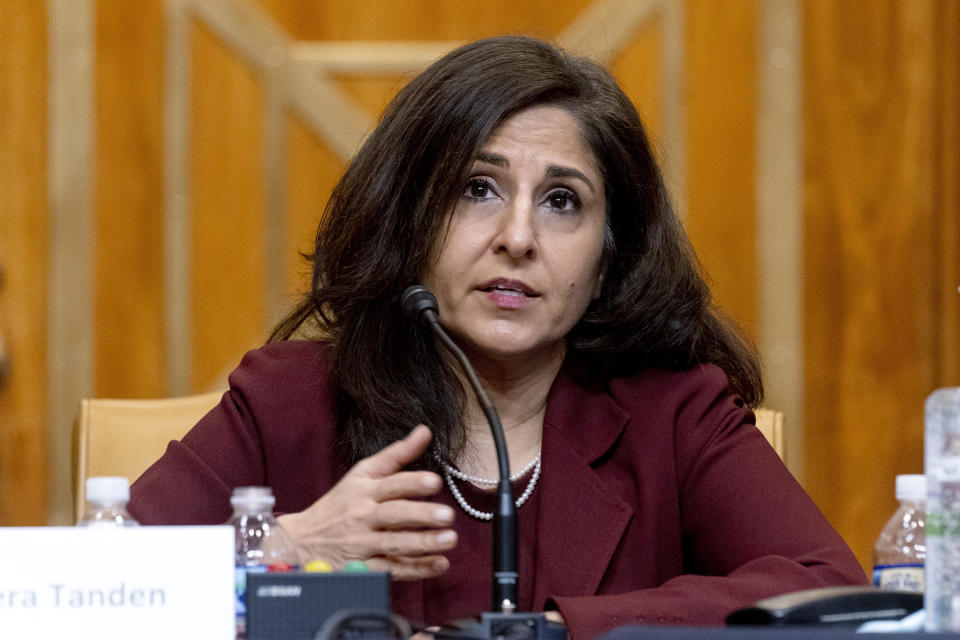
513 350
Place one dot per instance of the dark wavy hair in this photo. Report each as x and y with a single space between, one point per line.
392 204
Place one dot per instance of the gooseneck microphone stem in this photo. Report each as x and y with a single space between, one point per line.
504 516
493 418
422 304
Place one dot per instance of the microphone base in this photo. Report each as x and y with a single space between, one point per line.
507 626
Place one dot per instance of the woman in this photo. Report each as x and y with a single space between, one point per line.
516 183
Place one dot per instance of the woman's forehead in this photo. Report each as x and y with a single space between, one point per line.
549 130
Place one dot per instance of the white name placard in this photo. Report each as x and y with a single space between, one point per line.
139 582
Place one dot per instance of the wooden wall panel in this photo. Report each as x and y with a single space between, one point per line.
23 260
313 171
948 192
421 19
639 67
371 91
872 168
128 206
721 76
227 211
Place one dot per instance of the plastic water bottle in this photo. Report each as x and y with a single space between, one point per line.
942 468
261 544
107 498
901 549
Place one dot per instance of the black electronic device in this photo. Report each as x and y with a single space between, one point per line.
832 606
297 605
503 625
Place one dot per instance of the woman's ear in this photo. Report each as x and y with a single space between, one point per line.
606 255
598 287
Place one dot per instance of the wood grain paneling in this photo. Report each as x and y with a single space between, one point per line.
721 146
872 167
129 352
23 260
70 243
313 172
948 193
638 68
226 209
372 92
421 19
779 224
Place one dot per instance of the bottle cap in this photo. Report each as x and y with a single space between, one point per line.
252 495
912 487
108 489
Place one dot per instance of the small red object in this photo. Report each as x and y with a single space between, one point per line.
279 567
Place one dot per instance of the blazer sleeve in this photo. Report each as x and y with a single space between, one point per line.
273 427
749 530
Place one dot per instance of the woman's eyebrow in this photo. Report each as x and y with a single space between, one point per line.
493 158
556 171
552 171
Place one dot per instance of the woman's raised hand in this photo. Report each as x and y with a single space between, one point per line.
369 515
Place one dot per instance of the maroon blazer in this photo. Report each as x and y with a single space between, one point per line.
659 501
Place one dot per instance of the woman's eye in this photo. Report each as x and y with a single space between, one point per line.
478 189
563 200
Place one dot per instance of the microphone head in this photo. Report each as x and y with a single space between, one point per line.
417 300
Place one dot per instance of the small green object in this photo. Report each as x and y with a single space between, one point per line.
356 565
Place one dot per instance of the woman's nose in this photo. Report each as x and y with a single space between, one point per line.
517 235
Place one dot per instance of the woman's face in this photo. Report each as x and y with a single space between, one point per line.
520 261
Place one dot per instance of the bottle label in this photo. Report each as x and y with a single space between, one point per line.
899 577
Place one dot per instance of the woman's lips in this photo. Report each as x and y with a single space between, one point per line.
508 299
509 294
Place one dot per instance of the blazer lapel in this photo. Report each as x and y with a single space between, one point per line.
580 520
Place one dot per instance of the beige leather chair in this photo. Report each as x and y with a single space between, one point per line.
124 437
770 423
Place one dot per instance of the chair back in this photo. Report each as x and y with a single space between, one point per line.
124 437
770 423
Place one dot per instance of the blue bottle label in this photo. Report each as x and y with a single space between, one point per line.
899 577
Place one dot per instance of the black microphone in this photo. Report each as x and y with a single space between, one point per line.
417 300
420 304
504 621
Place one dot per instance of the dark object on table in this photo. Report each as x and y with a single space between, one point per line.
833 606
294 606
496 626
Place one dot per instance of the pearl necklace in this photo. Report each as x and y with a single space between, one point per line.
460 475
449 472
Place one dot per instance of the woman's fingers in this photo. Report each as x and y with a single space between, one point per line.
374 512
401 544
406 544
403 568
407 484
396 456
409 514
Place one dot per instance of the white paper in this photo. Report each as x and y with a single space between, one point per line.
97 582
